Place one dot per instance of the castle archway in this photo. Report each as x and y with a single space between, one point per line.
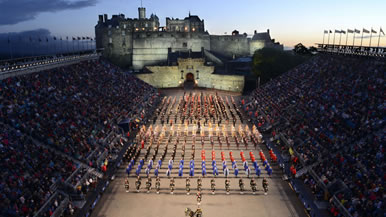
189 77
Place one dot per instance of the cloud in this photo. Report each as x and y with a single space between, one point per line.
38 42
16 11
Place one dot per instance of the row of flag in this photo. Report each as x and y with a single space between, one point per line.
356 31
57 38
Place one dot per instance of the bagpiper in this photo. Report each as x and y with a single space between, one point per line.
127 184
227 185
212 185
158 184
253 185
199 184
172 186
138 183
265 185
241 185
187 186
148 184
199 198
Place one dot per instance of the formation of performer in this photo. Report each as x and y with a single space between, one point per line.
177 124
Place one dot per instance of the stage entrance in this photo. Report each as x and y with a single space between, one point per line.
189 81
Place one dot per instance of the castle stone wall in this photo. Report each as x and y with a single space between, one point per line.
229 45
152 48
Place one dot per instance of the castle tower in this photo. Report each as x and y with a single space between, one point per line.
142 13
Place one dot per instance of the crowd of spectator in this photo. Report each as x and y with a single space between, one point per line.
67 109
27 173
331 110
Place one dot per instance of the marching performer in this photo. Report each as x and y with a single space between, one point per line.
212 185
172 186
138 183
241 185
199 184
158 184
265 186
187 186
253 185
148 184
127 184
227 185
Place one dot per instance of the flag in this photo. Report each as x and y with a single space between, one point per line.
78 38
83 38
46 39
325 32
381 31
54 38
357 31
337 31
73 38
365 30
342 31
330 31
66 37
373 31
87 37
350 31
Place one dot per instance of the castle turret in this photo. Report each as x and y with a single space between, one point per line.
142 13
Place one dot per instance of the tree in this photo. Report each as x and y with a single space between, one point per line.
301 49
269 63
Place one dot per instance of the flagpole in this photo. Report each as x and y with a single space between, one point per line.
333 41
353 39
324 33
347 37
371 33
340 36
362 38
379 37
328 42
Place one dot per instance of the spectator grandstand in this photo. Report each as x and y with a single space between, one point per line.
54 129
329 112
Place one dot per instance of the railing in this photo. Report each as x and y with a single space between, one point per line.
353 50
59 210
20 68
340 206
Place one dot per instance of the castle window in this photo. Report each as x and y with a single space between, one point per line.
123 32
185 44
117 27
146 24
124 26
110 40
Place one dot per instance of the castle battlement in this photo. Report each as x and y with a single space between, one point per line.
139 42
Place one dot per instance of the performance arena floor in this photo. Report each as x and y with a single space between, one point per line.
281 200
